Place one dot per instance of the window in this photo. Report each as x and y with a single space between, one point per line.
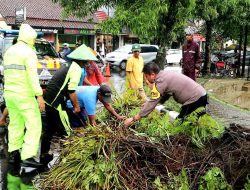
148 49
153 49
43 49
144 49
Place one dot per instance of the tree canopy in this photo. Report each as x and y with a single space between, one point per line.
161 21
158 20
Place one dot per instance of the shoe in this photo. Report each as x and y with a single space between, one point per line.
14 170
3 130
46 158
14 157
31 162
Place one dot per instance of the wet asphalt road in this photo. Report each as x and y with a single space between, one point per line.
225 113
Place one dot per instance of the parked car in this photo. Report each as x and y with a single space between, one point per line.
48 59
120 56
174 56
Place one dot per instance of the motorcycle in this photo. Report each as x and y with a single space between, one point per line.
223 64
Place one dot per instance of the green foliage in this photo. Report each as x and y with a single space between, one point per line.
82 8
85 164
102 114
201 129
237 15
158 126
172 105
128 101
155 125
214 180
247 184
151 20
175 182
210 10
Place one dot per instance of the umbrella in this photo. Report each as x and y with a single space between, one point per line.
82 53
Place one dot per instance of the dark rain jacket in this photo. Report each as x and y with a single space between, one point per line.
191 57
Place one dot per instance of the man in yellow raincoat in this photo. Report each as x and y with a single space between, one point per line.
24 99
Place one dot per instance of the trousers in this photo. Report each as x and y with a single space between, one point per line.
24 130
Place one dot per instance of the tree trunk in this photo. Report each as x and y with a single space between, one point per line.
207 63
161 56
167 23
240 45
244 52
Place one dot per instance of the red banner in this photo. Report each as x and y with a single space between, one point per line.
198 38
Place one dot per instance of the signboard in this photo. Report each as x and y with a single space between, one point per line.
79 31
46 30
198 38
20 15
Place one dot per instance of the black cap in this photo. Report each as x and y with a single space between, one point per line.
106 92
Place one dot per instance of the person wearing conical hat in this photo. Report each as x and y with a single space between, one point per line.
62 87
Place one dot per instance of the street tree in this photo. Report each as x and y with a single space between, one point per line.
242 17
212 12
151 20
235 25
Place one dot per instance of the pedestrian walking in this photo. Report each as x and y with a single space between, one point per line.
134 73
166 84
24 100
191 57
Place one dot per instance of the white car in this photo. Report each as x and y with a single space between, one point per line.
120 56
174 56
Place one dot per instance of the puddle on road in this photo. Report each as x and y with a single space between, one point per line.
243 100
231 92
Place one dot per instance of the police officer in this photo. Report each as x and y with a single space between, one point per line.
166 84
23 96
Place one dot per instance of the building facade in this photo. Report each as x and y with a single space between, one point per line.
46 17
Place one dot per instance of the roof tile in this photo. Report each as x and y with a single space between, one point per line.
44 9
53 23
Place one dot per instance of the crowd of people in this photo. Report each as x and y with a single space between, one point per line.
71 96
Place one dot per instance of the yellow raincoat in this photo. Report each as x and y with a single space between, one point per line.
21 87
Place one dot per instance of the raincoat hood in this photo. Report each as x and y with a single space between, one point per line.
82 53
27 34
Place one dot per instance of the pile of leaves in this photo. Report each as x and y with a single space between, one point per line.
197 153
103 159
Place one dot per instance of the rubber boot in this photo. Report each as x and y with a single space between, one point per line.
14 157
